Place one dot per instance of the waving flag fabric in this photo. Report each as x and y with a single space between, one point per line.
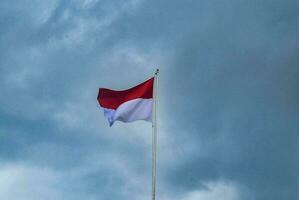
128 105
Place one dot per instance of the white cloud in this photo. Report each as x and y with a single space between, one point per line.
215 190
21 182
87 29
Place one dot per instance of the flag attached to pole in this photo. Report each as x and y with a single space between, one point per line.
128 105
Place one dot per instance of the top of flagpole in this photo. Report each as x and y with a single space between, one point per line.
157 72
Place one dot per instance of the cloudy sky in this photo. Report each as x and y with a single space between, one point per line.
228 107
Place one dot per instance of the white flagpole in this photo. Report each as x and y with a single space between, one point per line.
154 135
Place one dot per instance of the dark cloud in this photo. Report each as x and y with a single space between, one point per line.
228 68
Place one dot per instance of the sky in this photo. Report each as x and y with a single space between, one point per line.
228 99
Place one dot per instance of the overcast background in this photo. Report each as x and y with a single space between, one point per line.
228 107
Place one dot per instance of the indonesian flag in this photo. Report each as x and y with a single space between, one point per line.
128 105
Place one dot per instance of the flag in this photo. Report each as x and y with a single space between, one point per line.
128 105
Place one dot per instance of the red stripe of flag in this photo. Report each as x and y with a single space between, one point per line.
113 99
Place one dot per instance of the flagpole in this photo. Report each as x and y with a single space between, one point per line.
154 135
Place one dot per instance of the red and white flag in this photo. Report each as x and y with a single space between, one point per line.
128 105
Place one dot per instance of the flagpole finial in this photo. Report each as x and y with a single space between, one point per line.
157 71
